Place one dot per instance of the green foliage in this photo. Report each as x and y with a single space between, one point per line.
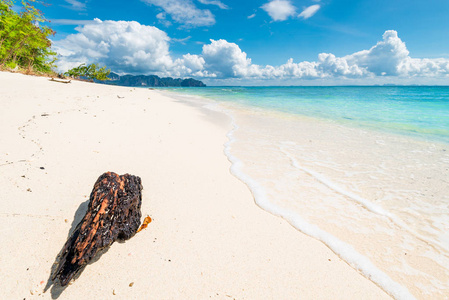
23 42
91 72
11 65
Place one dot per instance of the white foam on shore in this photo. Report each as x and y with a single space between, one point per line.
345 251
365 202
342 249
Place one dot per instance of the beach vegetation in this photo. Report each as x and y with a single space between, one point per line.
90 72
24 42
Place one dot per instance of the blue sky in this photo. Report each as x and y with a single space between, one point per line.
301 42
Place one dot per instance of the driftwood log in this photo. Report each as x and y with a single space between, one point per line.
61 80
113 214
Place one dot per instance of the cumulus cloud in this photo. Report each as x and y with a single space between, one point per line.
279 10
129 47
214 2
190 65
122 46
184 12
329 65
388 57
384 58
309 11
225 59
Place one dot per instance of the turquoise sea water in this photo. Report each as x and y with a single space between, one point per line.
409 110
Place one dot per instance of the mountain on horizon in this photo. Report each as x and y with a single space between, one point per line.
151 81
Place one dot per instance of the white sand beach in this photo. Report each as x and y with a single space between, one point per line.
208 238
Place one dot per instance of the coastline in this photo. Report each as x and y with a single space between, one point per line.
207 238
376 198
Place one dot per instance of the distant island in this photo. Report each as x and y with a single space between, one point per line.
151 81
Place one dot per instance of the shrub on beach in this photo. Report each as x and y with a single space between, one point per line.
91 72
24 43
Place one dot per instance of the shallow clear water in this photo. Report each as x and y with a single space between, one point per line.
365 170
419 111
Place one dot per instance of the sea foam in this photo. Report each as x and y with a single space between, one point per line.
342 249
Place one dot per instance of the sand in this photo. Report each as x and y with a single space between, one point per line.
208 239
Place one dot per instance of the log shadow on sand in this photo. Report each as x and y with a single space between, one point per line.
56 288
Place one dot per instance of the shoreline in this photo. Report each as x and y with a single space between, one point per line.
397 166
280 112
207 238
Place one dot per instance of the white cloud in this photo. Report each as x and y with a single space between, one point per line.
224 59
161 16
384 57
76 5
309 11
129 47
300 70
190 65
424 67
329 65
227 60
279 10
121 46
388 57
251 16
185 12
193 62
182 41
162 19
214 2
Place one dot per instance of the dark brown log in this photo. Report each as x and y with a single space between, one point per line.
113 214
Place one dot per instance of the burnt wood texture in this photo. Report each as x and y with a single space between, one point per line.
113 214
